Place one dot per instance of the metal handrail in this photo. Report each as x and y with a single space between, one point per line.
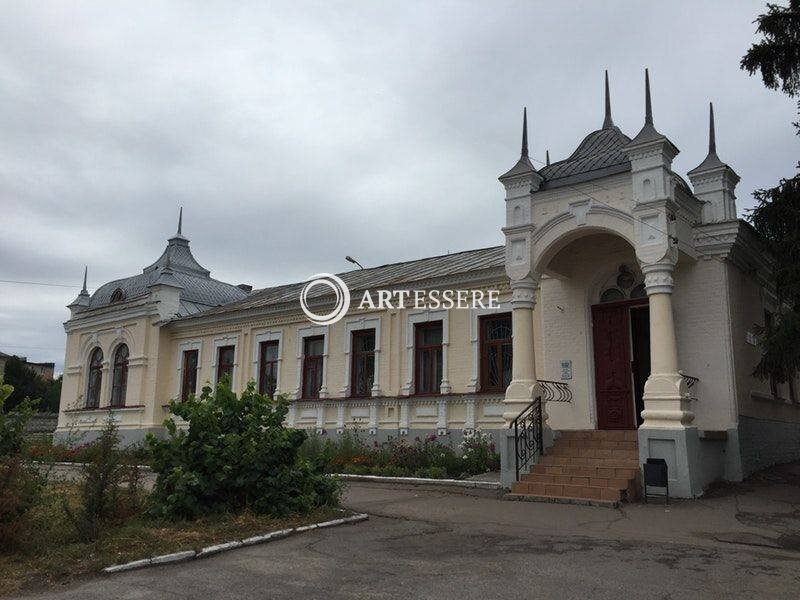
555 391
690 383
528 440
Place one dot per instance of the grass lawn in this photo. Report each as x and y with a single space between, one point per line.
52 554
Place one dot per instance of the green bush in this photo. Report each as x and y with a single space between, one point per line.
20 485
104 474
235 454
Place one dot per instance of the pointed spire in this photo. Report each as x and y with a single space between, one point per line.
712 140
525 131
180 221
547 157
85 274
711 161
648 106
607 122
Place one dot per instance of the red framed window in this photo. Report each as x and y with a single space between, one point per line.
268 368
95 379
496 354
313 348
119 376
189 373
225 357
362 374
428 357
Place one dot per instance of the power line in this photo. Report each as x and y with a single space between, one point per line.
3 345
61 285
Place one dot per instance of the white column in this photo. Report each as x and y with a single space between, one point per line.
404 417
441 421
523 385
666 401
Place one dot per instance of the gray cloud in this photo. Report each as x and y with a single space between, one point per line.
296 133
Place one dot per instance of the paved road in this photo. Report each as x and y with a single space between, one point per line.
423 544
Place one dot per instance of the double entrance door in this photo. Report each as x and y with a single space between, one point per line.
621 333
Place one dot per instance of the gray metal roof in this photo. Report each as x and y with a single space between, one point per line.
385 276
601 153
199 291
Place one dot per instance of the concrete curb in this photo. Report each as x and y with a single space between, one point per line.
463 483
232 545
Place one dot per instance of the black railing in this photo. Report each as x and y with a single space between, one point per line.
528 440
690 382
555 391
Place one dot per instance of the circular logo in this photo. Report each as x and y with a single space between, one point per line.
338 287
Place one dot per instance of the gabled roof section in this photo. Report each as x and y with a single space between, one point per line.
383 277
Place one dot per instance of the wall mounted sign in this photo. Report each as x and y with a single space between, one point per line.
566 369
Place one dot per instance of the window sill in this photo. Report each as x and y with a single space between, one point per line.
105 409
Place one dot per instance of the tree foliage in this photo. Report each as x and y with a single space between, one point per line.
235 454
28 383
777 55
776 216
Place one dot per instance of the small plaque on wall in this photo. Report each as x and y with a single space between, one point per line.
566 369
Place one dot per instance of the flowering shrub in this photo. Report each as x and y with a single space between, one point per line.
479 453
427 457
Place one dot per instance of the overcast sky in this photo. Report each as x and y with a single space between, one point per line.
296 133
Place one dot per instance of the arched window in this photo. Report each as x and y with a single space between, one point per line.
95 379
612 295
119 379
118 295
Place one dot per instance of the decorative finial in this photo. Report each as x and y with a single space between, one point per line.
607 122
712 138
180 220
85 273
547 157
525 131
648 107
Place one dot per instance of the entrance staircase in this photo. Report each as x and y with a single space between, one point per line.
585 467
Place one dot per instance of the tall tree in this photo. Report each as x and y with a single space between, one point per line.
776 216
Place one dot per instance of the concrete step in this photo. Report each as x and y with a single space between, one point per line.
619 483
572 451
561 500
598 443
630 435
584 471
583 461
584 492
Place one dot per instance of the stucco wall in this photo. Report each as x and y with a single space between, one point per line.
567 321
700 305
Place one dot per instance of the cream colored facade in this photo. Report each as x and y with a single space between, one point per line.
615 207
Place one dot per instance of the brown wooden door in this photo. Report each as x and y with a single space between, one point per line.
612 367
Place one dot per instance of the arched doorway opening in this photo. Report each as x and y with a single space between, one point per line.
621 336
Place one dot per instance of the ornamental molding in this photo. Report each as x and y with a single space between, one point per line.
658 278
580 214
104 316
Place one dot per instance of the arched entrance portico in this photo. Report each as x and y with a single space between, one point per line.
594 311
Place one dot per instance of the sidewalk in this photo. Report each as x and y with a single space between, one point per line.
762 512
